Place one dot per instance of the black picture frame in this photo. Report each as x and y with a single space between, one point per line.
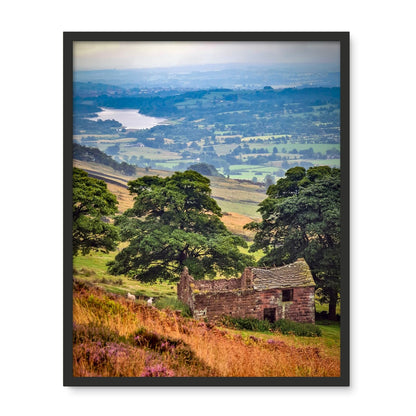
68 39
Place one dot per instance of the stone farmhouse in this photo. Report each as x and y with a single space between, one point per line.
286 292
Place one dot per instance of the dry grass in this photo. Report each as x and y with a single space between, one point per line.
235 223
116 337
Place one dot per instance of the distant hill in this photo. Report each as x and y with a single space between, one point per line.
92 154
216 76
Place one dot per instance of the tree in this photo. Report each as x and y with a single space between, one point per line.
301 218
289 185
205 169
91 204
269 180
175 223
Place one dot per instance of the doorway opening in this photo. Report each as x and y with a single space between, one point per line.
270 314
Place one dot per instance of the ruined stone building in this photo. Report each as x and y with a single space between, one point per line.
286 292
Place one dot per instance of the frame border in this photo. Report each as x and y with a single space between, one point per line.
344 39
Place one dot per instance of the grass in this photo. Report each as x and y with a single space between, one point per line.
335 163
95 263
246 209
324 308
257 254
114 337
264 137
120 338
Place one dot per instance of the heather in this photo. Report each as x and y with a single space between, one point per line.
114 337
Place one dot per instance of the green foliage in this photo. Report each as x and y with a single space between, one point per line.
92 203
301 218
175 223
289 185
248 324
205 169
107 305
284 326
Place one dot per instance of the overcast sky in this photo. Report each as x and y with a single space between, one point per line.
128 55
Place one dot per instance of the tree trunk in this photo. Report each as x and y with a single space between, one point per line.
332 310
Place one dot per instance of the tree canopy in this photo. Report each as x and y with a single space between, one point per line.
91 204
175 223
205 169
301 218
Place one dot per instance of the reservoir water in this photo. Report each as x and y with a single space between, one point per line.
130 119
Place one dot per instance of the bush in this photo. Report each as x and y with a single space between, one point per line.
324 316
284 326
249 324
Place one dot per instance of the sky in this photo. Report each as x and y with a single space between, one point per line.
151 54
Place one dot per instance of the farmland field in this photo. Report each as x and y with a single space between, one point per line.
260 129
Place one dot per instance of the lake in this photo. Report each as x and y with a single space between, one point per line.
130 119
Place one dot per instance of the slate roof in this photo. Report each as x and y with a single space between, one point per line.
296 274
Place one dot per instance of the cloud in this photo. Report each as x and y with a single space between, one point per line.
151 54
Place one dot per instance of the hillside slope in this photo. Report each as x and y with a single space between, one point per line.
115 337
238 199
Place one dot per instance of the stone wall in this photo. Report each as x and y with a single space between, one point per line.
184 288
236 297
249 303
302 309
217 285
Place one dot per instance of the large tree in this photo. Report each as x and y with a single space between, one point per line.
92 204
301 218
175 223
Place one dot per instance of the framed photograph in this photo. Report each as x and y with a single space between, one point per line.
206 209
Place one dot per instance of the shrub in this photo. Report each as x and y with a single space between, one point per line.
324 316
250 324
285 326
106 305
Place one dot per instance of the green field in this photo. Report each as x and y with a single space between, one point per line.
264 137
249 209
334 163
92 268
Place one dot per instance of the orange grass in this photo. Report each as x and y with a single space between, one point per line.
106 343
